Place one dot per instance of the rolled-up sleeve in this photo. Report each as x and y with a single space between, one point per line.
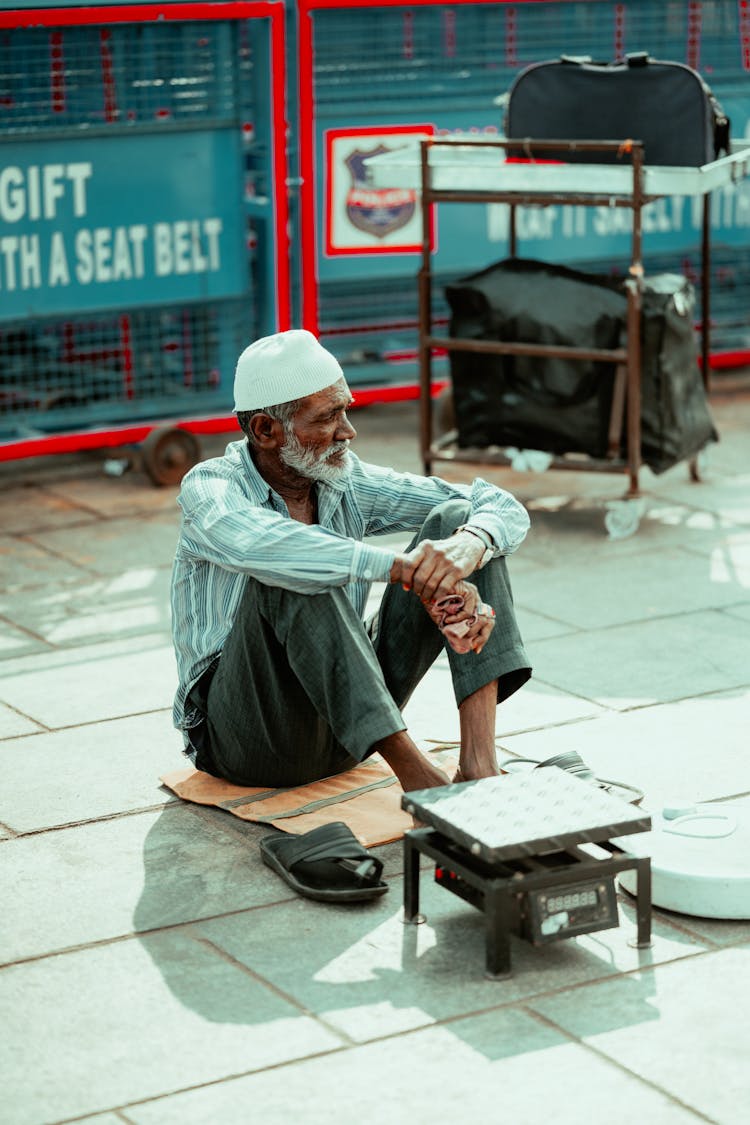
224 527
395 501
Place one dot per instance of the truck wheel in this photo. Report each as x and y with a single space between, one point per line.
168 453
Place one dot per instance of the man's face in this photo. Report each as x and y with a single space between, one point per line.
317 439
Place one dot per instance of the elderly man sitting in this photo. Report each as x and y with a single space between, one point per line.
281 681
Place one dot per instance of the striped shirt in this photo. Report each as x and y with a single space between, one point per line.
234 526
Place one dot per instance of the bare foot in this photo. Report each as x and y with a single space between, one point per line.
476 773
410 766
419 775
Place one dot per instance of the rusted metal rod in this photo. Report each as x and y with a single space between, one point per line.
550 351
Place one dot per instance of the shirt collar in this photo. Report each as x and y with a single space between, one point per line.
260 488
330 495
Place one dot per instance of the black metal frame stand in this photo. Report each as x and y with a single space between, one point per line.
498 886
625 416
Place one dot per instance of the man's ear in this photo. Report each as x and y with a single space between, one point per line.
267 431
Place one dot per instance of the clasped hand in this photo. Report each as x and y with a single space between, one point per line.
437 569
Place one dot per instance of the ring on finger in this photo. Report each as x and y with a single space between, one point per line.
485 610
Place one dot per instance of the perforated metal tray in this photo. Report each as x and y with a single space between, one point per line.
516 815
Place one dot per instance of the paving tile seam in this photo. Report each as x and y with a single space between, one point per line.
137 643
721 544
572 722
87 1117
548 617
613 1062
43 729
742 685
137 935
86 574
621 974
561 990
59 555
25 834
74 586
83 947
395 877
572 694
729 610
26 630
54 491
274 989
81 726
122 1109
87 518
730 797
679 922
146 509
519 1005
682 698
739 526
652 619
33 587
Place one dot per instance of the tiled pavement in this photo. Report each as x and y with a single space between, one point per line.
154 971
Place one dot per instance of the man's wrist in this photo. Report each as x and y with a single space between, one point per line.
484 538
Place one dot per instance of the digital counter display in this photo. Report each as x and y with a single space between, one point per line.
571 901
571 909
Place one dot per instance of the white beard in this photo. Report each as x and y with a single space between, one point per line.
312 465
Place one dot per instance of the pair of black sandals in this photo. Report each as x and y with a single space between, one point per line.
330 865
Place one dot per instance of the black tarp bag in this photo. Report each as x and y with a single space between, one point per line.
675 419
560 405
666 105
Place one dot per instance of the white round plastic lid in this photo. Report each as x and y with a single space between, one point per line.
700 859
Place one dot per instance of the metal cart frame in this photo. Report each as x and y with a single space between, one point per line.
629 184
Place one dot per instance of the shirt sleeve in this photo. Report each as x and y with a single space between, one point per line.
223 526
392 501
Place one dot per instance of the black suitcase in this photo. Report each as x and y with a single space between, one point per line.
560 405
665 105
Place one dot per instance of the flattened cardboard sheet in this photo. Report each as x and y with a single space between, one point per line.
367 798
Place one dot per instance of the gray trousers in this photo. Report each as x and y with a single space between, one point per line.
304 688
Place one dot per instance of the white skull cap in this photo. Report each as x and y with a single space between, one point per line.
283 367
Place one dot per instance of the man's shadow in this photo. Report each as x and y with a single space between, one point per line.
214 920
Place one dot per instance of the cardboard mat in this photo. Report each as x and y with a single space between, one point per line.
367 798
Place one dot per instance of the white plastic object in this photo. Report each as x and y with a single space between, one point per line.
677 808
623 517
115 466
700 860
528 460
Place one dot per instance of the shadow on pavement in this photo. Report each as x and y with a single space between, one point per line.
357 968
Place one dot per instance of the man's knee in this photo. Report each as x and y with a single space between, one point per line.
274 600
289 614
444 519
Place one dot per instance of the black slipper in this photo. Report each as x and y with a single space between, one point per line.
572 762
328 864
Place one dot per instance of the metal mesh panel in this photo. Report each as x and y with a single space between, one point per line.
105 368
477 50
348 309
111 367
383 62
123 75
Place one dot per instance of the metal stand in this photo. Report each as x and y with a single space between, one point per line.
514 875
625 418
499 891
